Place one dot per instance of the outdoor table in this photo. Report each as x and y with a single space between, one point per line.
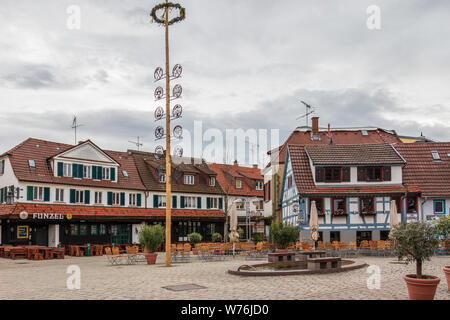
58 252
47 252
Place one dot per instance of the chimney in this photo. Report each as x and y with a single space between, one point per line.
235 162
315 126
329 130
255 166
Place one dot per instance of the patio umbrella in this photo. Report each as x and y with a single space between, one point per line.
234 235
393 217
314 222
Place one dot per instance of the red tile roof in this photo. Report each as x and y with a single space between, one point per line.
41 151
338 136
227 175
431 177
363 154
106 212
306 186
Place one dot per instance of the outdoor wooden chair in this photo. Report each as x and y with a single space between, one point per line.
329 248
113 259
364 247
115 251
352 248
18 252
342 248
307 245
319 245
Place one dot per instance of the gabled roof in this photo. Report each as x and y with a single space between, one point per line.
82 144
432 177
364 154
306 186
41 151
302 136
227 175
148 165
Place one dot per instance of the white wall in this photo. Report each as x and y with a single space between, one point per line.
428 208
202 195
8 178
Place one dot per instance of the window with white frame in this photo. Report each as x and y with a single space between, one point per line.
67 169
87 172
259 185
212 181
38 193
98 197
116 198
188 179
190 202
161 201
240 205
132 199
162 178
106 172
214 203
79 196
59 195
2 166
239 184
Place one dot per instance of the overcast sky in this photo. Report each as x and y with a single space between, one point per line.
246 64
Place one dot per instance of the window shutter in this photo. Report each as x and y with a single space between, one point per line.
199 202
387 173
46 194
3 167
208 203
113 174
80 171
155 201
319 174
269 194
139 200
87 197
110 198
361 174
220 203
182 204
72 195
74 170
60 169
346 174
30 193
94 172
174 202
122 198
99 173
1 196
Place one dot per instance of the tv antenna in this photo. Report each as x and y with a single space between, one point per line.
137 143
75 125
309 111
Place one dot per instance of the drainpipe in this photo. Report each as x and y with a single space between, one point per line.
421 208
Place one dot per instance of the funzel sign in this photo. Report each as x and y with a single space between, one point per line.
48 216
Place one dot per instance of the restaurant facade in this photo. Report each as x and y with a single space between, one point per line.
53 193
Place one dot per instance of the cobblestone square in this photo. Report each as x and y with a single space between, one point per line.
24 279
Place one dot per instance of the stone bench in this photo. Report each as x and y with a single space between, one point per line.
305 255
281 257
325 263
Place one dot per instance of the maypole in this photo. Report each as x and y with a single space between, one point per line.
160 133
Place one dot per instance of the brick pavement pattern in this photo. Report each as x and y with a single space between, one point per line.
24 279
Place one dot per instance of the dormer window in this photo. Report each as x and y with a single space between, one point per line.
189 179
259 185
106 174
125 173
212 181
67 170
31 164
87 172
162 178
238 184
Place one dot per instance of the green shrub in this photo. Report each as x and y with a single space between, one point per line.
415 241
258 237
194 238
442 225
151 237
282 234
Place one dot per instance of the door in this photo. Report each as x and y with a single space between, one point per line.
121 233
41 236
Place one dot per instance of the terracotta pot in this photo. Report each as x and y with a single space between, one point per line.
447 275
151 257
421 289
194 251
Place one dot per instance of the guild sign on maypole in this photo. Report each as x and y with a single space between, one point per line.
160 14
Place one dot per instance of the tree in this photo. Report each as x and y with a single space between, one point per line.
283 234
415 241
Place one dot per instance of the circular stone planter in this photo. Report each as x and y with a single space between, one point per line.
421 289
252 271
447 275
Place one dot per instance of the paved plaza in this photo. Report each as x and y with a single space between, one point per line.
24 279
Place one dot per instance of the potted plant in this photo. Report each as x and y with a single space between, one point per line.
416 241
282 235
151 238
216 237
241 232
443 229
193 239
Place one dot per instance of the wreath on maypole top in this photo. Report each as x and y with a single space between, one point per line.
169 5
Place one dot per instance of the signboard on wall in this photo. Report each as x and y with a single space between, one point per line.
22 232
